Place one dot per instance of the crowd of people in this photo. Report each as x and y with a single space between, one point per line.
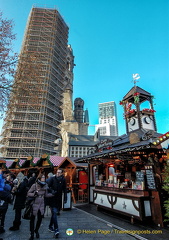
42 192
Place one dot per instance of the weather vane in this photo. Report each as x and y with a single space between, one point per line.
136 76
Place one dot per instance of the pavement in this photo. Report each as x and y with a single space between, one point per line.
83 221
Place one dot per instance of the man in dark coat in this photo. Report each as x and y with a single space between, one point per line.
31 180
58 186
20 192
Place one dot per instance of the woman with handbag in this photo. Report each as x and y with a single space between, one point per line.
39 191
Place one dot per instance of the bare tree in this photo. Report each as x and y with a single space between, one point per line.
27 94
28 83
21 85
7 61
28 78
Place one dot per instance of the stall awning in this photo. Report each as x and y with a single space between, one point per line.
116 150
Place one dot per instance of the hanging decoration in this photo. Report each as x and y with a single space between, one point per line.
136 97
129 112
122 103
148 110
161 139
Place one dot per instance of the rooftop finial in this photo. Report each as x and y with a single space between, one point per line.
136 76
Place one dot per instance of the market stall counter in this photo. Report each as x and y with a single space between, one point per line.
131 202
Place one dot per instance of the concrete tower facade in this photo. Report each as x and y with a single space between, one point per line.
107 119
31 129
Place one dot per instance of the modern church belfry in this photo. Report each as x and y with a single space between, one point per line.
33 127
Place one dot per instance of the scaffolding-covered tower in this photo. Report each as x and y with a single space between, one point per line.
31 127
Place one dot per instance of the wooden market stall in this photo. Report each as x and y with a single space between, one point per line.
128 180
126 175
50 163
2 164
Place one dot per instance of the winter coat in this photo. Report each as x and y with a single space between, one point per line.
31 181
20 194
5 199
39 192
58 185
2 182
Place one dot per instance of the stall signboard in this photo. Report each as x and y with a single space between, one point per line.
104 145
139 176
150 177
96 174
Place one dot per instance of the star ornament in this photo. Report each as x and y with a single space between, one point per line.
124 206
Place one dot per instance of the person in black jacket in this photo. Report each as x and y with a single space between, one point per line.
58 186
20 192
31 180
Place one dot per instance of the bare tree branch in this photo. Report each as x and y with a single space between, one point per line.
7 62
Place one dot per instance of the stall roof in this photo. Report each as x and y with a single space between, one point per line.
136 89
77 163
144 95
56 160
122 145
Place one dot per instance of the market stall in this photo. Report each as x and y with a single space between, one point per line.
126 175
75 174
127 180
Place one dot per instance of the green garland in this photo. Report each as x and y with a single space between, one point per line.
166 188
17 164
40 159
48 160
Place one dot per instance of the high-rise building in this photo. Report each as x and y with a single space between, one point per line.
107 119
32 127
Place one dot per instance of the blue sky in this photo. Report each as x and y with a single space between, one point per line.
111 40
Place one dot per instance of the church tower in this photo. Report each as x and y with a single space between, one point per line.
78 110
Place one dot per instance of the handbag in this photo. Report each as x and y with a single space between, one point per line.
28 208
28 212
29 200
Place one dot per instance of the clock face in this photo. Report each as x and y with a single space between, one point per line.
147 120
132 121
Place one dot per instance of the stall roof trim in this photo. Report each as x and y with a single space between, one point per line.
122 145
117 150
136 89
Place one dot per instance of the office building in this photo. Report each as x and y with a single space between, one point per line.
32 127
107 119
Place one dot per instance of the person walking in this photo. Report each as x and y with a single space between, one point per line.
31 180
58 185
50 175
39 190
19 191
5 198
47 200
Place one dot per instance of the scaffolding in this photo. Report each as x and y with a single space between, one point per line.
31 128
